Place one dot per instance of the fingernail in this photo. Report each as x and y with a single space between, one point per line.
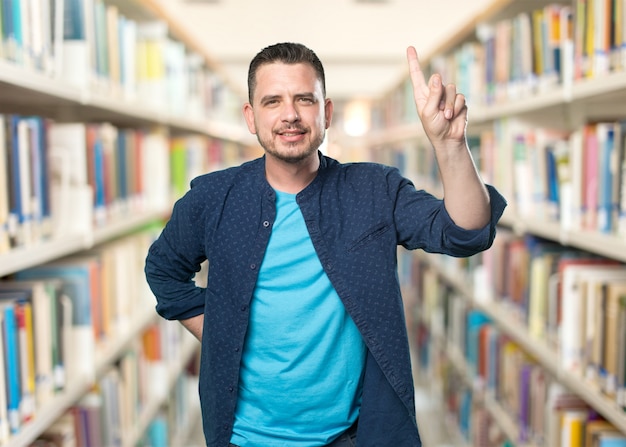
436 81
448 113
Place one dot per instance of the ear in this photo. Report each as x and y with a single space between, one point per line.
248 114
328 112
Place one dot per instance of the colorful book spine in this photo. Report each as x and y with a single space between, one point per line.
12 363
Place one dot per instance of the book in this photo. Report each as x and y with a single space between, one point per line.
112 19
5 244
542 266
155 164
524 409
74 55
42 295
522 172
4 417
34 132
601 39
567 45
111 389
621 359
71 198
620 179
13 35
21 208
90 407
615 347
24 317
158 431
607 173
508 392
572 427
580 54
76 277
538 397
474 322
151 77
128 58
595 284
572 217
560 402
614 337
552 47
595 428
588 23
574 331
554 194
590 176
11 351
611 440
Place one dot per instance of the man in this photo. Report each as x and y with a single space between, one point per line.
302 326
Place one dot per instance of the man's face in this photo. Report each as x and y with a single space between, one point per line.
288 113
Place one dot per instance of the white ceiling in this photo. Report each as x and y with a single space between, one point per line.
361 43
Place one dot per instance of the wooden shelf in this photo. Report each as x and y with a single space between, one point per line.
607 245
505 319
25 91
106 355
174 369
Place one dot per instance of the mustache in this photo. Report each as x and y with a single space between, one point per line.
292 128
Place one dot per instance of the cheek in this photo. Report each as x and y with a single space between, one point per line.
322 122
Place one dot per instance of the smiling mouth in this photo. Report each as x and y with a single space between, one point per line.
291 132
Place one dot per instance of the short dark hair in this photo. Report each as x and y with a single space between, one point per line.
287 53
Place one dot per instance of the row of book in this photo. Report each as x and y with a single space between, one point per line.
96 46
485 374
572 301
57 317
67 178
568 422
530 53
111 413
576 178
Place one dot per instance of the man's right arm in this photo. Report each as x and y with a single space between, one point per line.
194 325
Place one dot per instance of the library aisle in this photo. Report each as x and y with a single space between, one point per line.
197 437
430 420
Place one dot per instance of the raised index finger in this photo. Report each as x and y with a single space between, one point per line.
415 70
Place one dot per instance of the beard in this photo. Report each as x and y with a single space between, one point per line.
292 153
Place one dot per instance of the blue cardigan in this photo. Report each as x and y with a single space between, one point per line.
356 214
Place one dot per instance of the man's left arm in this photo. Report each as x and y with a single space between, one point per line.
443 113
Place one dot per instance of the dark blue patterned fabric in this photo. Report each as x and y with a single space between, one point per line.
356 214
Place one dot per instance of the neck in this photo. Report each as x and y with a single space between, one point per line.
291 177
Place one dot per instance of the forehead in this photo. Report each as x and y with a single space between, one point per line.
278 77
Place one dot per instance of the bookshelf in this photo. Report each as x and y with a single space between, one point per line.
547 138
160 111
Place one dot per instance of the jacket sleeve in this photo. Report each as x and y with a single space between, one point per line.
422 221
175 257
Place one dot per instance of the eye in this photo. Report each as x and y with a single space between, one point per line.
307 100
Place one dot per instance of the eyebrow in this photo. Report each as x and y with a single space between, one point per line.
309 95
269 98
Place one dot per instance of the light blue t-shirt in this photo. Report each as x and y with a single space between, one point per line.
302 365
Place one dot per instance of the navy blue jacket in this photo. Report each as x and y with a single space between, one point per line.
356 214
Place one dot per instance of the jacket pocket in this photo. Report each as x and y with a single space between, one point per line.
370 235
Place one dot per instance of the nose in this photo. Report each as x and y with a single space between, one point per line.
290 113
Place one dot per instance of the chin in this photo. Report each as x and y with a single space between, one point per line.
292 156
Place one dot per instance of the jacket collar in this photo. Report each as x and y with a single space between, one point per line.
258 169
